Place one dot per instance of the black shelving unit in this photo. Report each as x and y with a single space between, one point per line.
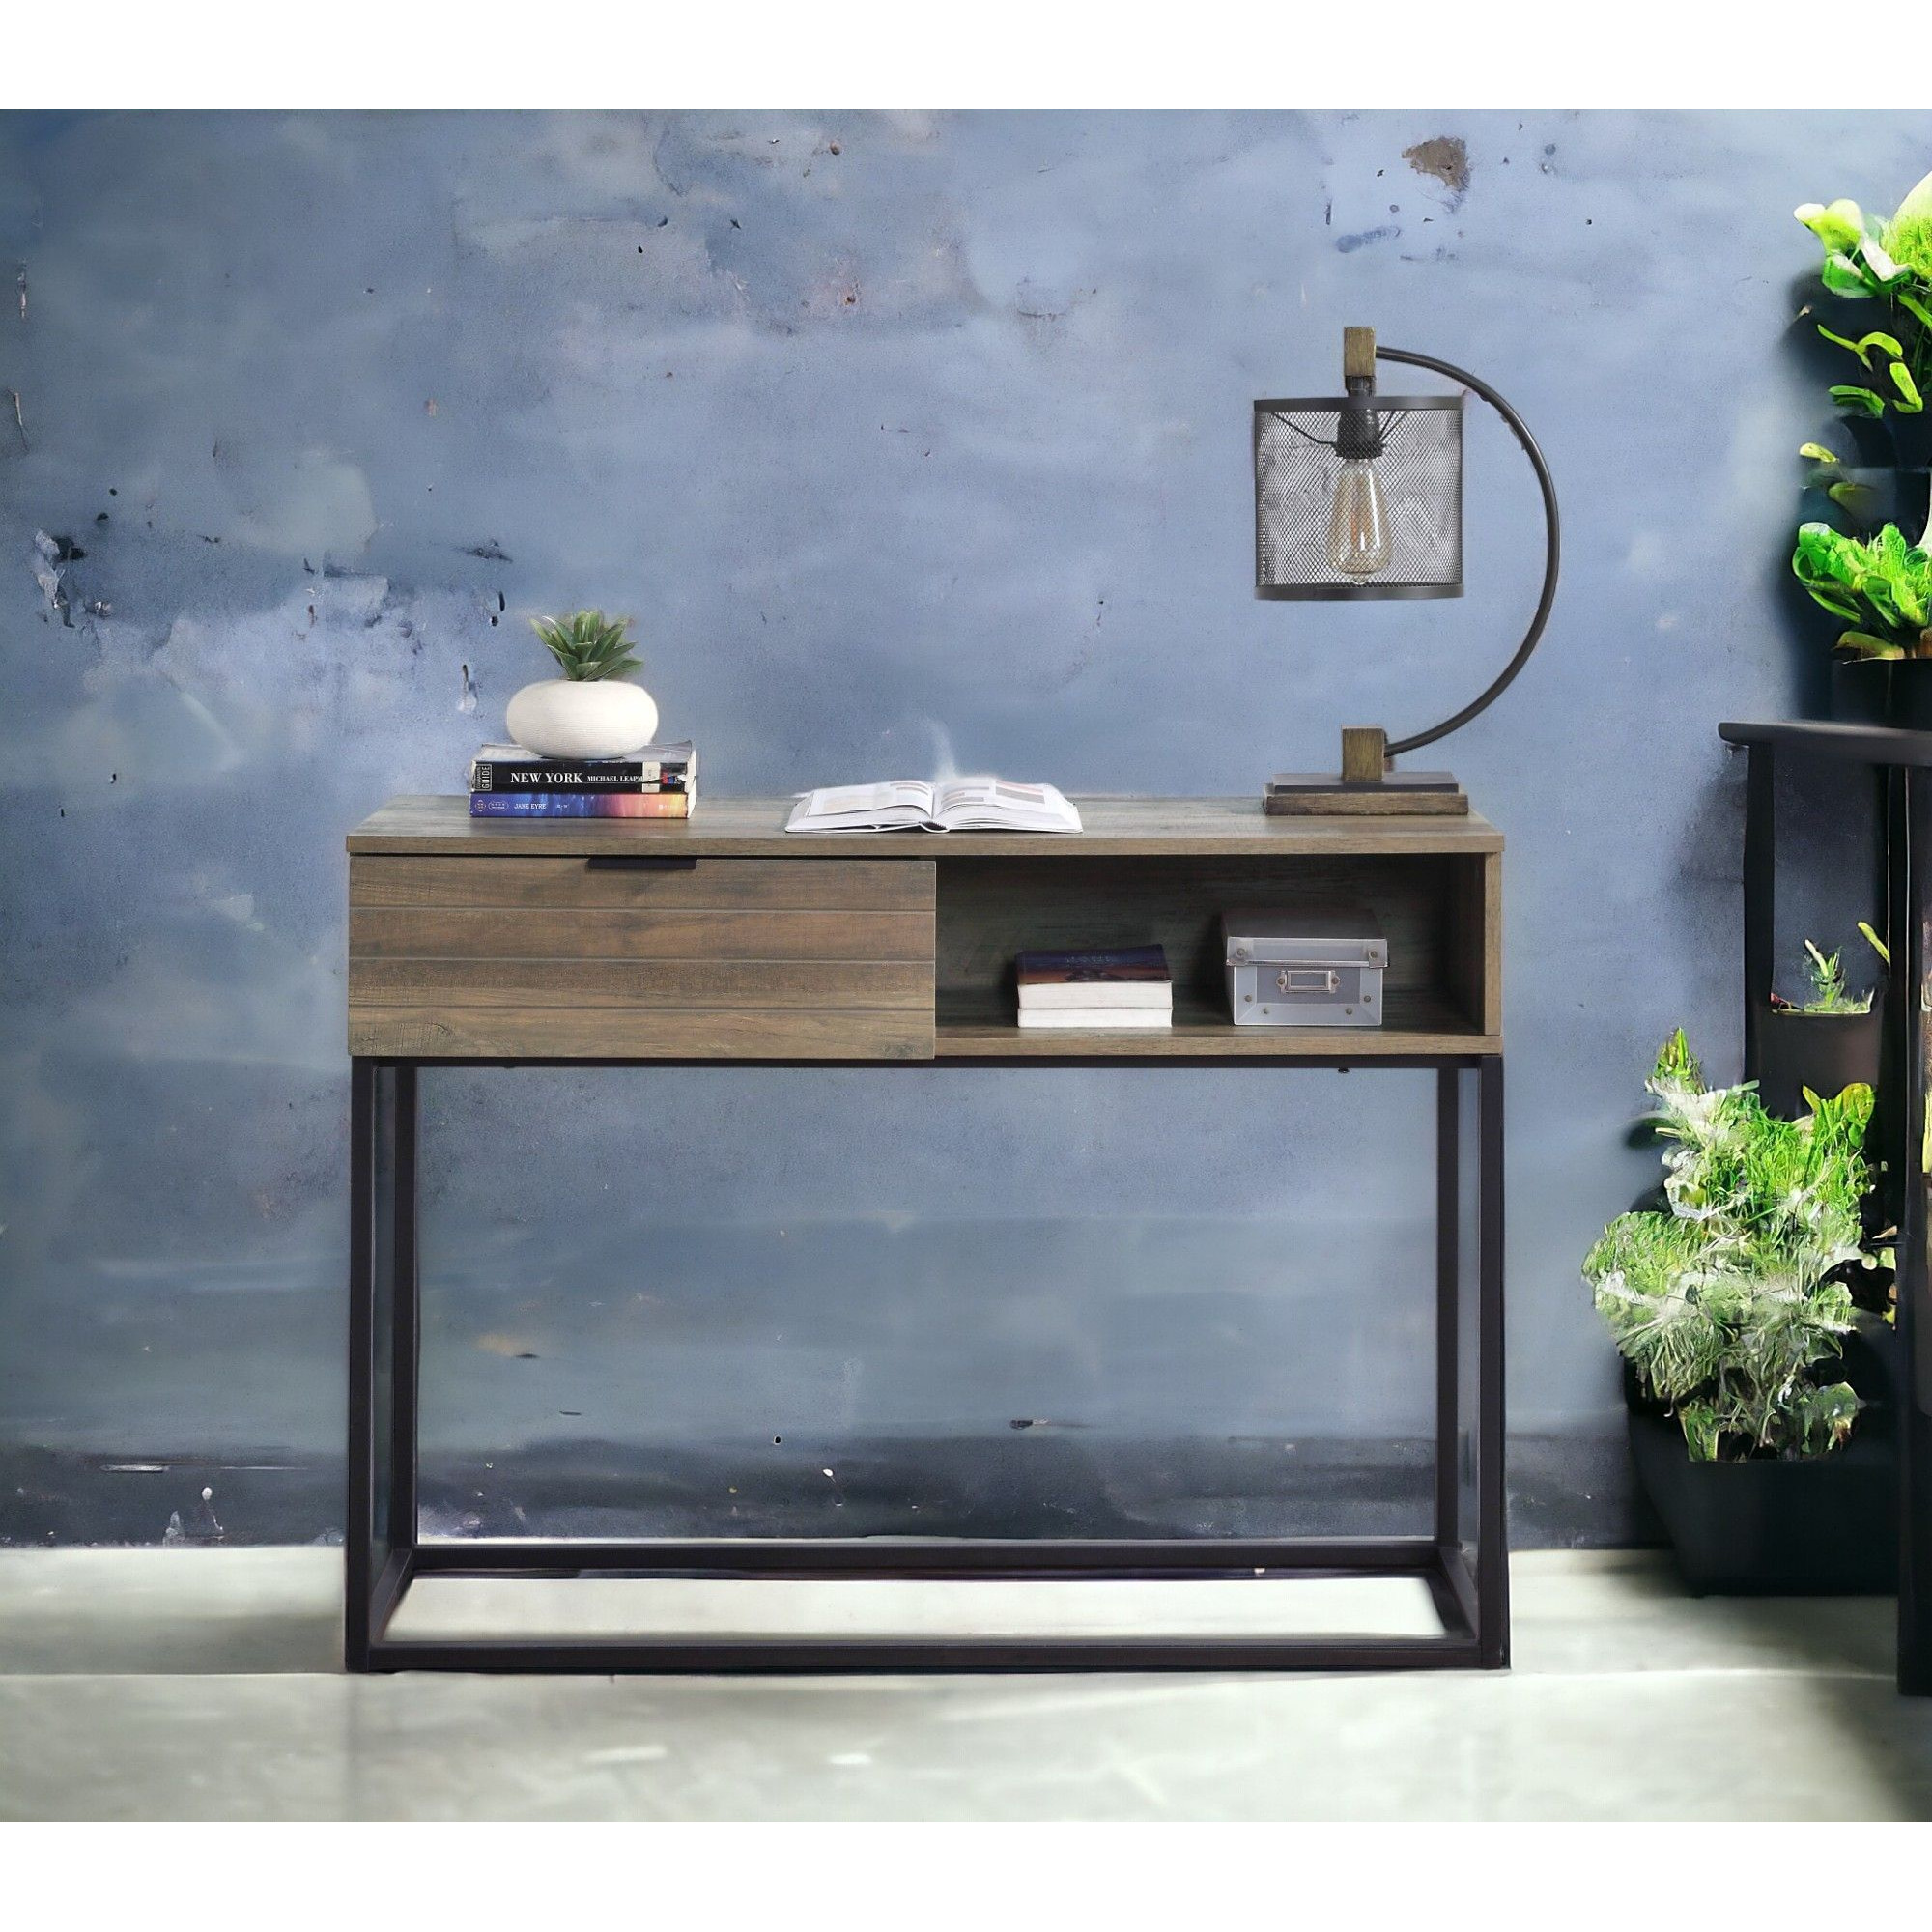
1897 769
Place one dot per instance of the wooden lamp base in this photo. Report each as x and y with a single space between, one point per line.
1366 783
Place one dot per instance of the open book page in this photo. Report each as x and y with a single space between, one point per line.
996 804
900 805
954 805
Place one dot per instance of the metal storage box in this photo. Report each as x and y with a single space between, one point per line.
1308 965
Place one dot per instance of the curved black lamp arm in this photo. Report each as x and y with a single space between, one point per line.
1554 544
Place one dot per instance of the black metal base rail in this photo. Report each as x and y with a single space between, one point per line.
1466 1575
1444 1571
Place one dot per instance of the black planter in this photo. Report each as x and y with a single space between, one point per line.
1911 444
1826 1052
1883 690
1825 1526
1639 1403
1899 444
1874 1365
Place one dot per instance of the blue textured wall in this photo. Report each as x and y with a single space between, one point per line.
908 440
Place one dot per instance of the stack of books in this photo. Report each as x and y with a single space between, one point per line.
1126 986
660 782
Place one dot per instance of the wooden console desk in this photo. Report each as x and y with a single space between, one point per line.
547 941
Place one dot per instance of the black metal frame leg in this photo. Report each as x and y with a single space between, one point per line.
1909 846
1468 1575
1492 1631
1476 1566
379 1536
1760 881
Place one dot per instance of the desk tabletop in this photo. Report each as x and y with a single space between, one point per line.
739 827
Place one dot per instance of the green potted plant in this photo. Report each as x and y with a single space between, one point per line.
1875 582
1889 263
1730 1302
1881 588
1829 1040
591 711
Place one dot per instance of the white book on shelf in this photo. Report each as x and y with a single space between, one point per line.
1079 999
1095 1019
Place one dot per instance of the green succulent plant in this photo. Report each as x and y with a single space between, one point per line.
1726 1300
588 645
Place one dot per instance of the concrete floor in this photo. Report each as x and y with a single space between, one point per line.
202 1684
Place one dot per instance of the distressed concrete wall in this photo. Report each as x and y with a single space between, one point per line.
909 440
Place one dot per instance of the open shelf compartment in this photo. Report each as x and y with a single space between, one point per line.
1440 912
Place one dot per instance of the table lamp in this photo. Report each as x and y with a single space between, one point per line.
1360 497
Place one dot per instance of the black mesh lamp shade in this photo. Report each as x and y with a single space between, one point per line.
1359 498
1384 522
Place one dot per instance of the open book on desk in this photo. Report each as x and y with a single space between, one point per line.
950 805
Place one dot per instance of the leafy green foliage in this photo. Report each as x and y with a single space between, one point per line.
588 645
1829 995
1725 1300
1868 259
1827 974
1881 587
1829 476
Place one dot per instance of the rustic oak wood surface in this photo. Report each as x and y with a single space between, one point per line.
1476 941
517 881
1415 1022
639 932
632 1032
1366 804
495 939
644 982
533 957
755 827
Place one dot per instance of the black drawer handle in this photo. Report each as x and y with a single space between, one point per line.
637 862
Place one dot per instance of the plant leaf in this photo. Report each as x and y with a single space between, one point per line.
1841 227
1862 348
1907 301
1853 399
1880 261
1698 1421
1844 276
1918 202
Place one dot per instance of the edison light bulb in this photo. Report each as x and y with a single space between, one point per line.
1358 544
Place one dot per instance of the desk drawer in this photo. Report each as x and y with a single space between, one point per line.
640 956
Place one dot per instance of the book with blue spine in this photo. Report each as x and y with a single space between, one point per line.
1121 985
581 805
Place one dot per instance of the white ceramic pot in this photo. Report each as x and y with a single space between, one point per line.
573 717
